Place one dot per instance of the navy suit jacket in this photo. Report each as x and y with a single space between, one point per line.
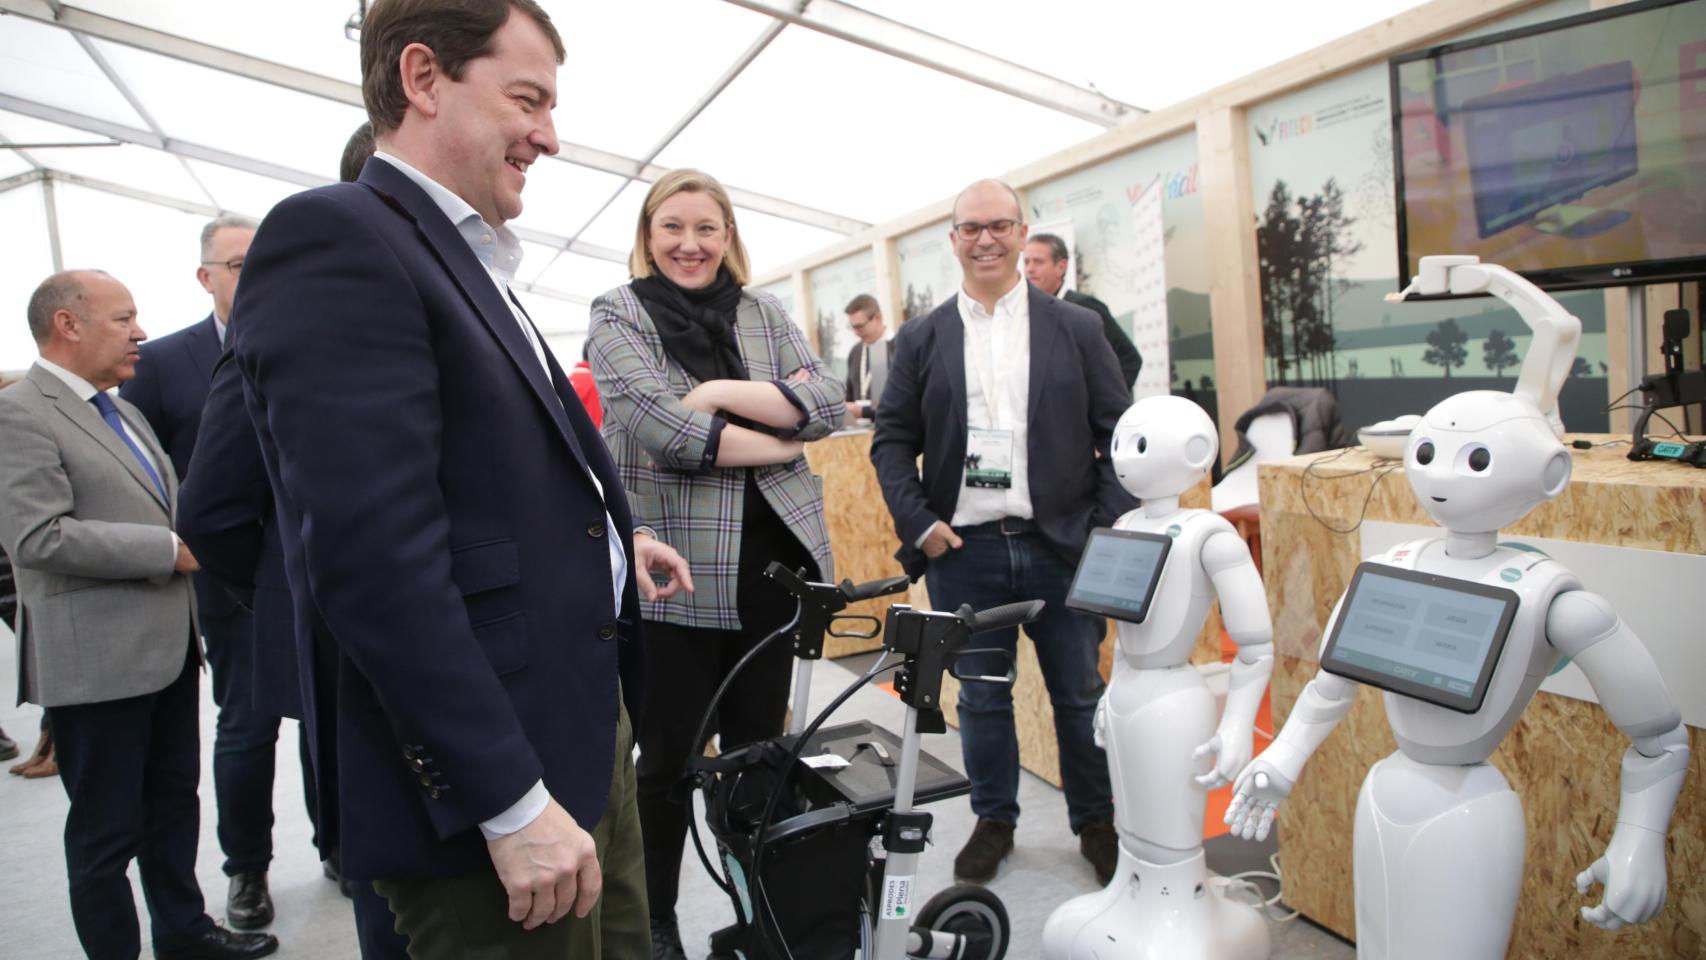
443 536
1075 400
170 388
226 517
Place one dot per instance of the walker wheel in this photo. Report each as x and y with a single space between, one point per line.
972 912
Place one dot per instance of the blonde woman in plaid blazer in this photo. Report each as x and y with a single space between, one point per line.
710 394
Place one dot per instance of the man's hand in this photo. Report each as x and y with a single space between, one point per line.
941 539
186 562
652 555
548 867
858 409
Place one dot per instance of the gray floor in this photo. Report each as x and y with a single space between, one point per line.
314 921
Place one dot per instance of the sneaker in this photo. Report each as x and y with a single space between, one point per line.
991 841
666 939
1100 844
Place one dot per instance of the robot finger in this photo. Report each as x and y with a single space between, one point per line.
1601 916
1265 824
1203 750
1597 873
1212 780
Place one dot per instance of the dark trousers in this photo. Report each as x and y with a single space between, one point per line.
992 569
130 768
684 665
466 918
245 744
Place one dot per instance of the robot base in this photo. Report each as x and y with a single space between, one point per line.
1156 912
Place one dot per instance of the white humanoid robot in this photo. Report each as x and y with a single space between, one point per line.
1157 718
1439 840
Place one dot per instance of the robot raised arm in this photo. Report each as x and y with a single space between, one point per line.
1244 609
1268 779
1632 690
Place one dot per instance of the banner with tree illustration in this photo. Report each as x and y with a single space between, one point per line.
1326 237
929 271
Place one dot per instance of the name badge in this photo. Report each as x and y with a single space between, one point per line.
989 459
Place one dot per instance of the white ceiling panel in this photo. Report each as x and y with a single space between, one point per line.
535 258
832 125
11 163
45 64
560 197
635 68
222 110
25 251
307 34
241 192
127 165
614 228
585 276
772 242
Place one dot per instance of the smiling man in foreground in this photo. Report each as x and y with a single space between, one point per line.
455 535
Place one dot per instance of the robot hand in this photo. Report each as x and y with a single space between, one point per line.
1256 798
1633 871
1099 724
1232 754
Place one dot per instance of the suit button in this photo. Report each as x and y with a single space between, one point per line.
607 631
595 530
426 780
435 793
417 765
408 752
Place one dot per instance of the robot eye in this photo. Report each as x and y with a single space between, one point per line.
1142 444
1477 458
1425 452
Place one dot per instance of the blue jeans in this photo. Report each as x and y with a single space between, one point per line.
991 569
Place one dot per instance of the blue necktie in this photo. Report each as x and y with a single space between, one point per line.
109 413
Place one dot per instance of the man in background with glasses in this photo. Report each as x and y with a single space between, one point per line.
170 388
1011 397
868 363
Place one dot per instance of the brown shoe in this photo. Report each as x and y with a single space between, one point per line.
45 767
1100 844
991 841
43 751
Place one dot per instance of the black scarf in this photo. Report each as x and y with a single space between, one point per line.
697 326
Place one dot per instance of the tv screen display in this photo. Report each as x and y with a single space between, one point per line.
1573 152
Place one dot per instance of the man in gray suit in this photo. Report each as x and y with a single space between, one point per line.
106 638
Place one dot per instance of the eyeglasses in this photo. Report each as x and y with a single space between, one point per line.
235 266
968 230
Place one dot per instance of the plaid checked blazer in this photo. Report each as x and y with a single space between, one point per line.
659 446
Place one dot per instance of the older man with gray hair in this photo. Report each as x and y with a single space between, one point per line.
170 388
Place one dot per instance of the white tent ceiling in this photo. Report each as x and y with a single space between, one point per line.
822 117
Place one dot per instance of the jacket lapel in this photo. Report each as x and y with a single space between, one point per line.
88 419
447 244
1045 330
204 348
951 353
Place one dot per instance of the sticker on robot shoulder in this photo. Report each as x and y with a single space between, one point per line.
897 897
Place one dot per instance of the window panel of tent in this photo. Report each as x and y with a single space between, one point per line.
585 276
240 191
773 242
11 164
614 228
236 114
561 197
865 134
306 34
25 250
152 250
127 165
45 64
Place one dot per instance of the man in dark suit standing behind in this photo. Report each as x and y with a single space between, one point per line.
170 388
868 363
106 624
452 525
1046 262
1011 396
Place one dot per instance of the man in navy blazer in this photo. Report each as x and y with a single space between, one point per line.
453 529
170 388
1011 397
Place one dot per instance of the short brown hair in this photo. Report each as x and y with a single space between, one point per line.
356 152
456 31
688 180
863 303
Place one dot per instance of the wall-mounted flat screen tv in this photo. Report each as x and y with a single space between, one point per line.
1573 152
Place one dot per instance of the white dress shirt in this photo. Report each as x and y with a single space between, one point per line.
500 252
998 385
85 392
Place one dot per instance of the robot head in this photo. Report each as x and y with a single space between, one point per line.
1481 460
1163 446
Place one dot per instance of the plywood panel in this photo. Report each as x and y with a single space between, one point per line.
861 532
1562 757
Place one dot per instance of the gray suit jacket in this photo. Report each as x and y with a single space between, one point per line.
101 613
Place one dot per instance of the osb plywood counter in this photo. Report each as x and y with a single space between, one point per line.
861 532
1562 757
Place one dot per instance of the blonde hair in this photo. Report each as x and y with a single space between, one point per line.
688 180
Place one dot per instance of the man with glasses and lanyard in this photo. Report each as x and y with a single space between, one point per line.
170 388
1011 397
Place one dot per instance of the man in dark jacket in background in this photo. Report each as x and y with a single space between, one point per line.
1046 262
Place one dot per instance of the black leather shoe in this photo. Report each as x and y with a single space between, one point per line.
332 867
666 939
248 905
1100 844
991 841
222 944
